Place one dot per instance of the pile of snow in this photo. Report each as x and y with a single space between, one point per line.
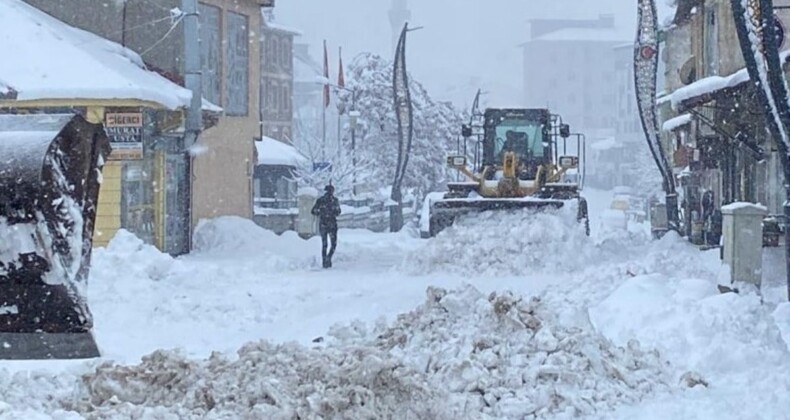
504 356
460 354
508 243
267 381
231 236
128 254
675 315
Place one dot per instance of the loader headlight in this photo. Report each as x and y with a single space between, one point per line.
456 161
569 162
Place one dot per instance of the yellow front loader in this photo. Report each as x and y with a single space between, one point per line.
520 168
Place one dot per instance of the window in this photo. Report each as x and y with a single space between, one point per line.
286 53
210 55
237 65
711 44
267 53
286 103
276 98
275 53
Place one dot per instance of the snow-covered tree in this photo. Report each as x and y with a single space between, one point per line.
437 126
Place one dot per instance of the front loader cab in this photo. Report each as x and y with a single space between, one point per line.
524 132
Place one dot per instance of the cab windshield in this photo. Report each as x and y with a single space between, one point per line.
523 137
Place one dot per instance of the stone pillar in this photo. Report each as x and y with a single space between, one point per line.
306 222
743 243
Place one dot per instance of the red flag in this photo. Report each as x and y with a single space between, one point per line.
326 76
341 79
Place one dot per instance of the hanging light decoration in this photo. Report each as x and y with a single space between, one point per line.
645 78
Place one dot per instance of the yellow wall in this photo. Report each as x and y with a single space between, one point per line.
108 212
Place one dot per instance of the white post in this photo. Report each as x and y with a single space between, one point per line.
306 222
743 244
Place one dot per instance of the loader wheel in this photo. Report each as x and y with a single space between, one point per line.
584 216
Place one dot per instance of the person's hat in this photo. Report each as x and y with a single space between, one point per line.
329 188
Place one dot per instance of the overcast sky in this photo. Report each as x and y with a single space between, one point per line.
464 43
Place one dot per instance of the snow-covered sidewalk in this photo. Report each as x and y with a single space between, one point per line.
410 328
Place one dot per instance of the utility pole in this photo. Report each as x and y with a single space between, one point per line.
193 81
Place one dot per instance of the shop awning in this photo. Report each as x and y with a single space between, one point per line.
677 122
707 89
276 153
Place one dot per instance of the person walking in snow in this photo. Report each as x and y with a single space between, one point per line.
327 208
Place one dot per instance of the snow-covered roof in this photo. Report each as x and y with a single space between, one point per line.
677 122
269 22
275 152
713 84
45 58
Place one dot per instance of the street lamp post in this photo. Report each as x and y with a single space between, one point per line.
353 116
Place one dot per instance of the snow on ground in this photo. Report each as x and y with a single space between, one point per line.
365 339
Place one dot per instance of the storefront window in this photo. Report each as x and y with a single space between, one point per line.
137 202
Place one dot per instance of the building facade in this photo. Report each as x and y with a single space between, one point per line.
277 78
713 126
568 68
218 171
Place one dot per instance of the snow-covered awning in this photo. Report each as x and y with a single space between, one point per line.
709 86
275 152
46 59
677 122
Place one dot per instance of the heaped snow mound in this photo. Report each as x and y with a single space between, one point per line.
458 355
502 356
231 236
509 243
266 382
128 255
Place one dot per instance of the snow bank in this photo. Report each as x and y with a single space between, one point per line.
510 243
460 354
505 356
128 254
782 318
231 236
267 381
729 332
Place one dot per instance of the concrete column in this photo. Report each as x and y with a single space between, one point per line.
743 243
306 222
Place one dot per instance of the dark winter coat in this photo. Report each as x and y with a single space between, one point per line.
327 208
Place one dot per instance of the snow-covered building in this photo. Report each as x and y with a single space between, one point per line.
568 67
220 168
65 69
713 124
277 78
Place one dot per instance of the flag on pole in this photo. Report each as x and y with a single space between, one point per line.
326 77
341 79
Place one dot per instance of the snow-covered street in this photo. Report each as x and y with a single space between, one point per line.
411 328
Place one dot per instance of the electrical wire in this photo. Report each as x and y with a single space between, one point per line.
162 39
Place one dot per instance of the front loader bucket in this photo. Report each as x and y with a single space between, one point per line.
50 169
444 212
